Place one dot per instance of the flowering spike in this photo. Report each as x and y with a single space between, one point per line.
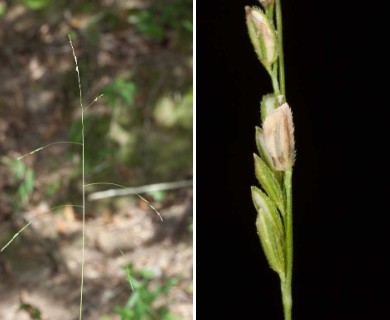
278 130
262 35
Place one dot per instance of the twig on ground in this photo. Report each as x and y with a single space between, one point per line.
141 189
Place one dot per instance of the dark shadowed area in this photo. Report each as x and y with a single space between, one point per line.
138 55
336 81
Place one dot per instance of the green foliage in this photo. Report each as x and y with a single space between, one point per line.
3 9
141 304
52 188
119 92
23 179
171 132
109 131
190 227
87 7
156 20
81 6
36 4
97 128
32 311
158 195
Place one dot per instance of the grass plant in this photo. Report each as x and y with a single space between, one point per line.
36 313
276 147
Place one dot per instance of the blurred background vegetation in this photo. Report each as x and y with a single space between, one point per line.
137 53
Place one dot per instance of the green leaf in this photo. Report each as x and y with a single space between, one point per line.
270 230
269 102
261 147
260 144
120 90
3 9
29 181
262 201
32 311
36 4
147 274
270 183
271 246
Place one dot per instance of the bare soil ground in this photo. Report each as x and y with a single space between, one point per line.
42 267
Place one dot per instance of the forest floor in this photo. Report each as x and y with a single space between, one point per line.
41 268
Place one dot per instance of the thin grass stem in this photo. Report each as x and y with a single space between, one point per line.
279 26
286 285
15 235
128 273
83 181
48 145
93 102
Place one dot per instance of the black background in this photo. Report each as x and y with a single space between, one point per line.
337 86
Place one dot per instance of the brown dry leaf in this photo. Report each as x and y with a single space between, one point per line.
107 217
61 226
69 214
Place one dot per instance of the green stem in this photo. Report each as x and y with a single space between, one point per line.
274 77
286 284
83 227
279 26
83 178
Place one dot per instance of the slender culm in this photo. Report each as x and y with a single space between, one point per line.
83 182
276 147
